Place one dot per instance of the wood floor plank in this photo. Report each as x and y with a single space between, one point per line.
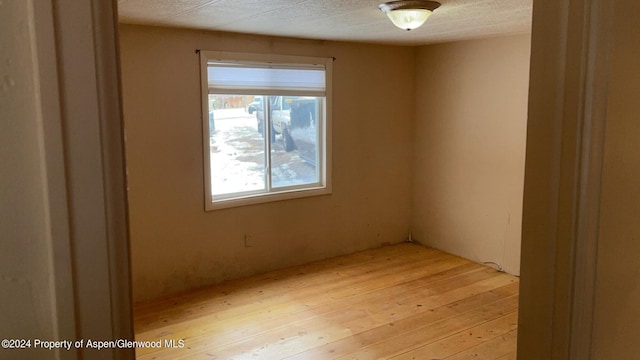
402 305
308 298
381 332
510 356
336 325
340 272
496 348
343 264
239 304
463 340
272 317
401 300
389 344
279 290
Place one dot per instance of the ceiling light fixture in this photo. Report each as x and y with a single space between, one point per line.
409 14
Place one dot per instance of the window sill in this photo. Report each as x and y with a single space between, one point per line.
266 198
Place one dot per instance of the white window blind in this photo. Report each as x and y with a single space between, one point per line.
261 79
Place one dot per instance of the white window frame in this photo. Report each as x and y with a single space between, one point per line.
323 187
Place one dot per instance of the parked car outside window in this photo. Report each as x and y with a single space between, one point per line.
255 105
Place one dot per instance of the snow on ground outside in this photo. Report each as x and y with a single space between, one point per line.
237 156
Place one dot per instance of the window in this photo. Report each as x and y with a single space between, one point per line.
266 121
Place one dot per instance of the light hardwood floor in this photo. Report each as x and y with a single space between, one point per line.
397 302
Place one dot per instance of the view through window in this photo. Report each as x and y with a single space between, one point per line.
265 130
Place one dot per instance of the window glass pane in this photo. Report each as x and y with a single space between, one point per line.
237 148
229 76
267 121
295 137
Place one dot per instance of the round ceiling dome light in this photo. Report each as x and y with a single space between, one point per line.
409 14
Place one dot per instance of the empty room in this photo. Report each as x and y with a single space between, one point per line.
386 220
306 180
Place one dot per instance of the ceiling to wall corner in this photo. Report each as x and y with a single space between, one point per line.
341 20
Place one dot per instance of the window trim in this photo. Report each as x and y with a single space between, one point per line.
252 197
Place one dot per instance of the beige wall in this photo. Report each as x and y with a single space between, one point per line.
176 245
25 249
617 315
63 258
471 112
580 285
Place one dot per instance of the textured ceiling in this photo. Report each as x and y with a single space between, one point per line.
348 20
